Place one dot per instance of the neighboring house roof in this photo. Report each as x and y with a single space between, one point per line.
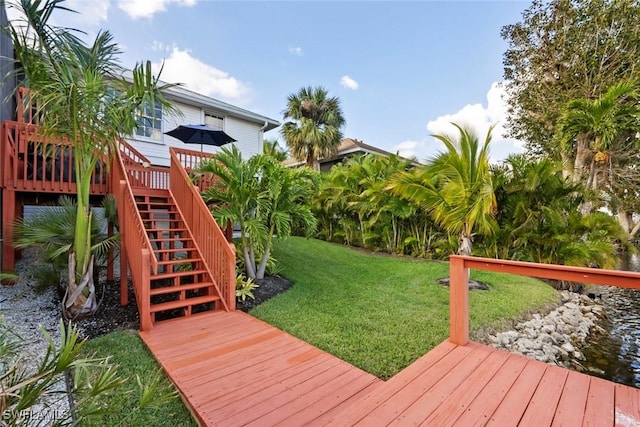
190 97
347 148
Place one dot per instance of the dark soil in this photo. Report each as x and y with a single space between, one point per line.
113 317
269 288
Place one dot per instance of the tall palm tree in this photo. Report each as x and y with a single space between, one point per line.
313 129
81 96
455 187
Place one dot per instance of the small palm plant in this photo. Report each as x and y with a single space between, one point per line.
52 230
28 394
455 187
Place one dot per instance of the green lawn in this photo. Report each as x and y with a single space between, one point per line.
133 358
379 312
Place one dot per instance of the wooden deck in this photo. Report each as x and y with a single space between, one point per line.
235 370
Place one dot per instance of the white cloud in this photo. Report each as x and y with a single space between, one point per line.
348 82
409 149
479 118
182 67
147 8
297 51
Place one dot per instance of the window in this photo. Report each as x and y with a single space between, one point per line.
149 121
213 120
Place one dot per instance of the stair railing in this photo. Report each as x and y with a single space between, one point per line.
218 255
140 171
134 238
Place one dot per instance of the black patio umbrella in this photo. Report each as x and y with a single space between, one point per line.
201 134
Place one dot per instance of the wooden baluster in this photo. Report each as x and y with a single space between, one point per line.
458 301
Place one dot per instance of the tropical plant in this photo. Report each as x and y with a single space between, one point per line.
591 134
28 395
81 97
563 50
272 148
265 198
52 230
538 219
313 130
455 187
245 287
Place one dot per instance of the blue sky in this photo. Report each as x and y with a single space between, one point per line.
402 70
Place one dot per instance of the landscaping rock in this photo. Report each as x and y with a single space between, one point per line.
556 337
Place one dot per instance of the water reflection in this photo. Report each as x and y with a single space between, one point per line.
616 356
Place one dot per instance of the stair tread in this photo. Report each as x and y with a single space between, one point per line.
175 250
166 229
183 303
172 239
177 274
179 261
172 289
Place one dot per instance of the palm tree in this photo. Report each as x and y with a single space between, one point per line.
265 198
314 127
273 149
455 187
82 97
589 131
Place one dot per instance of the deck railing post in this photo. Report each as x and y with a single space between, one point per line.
124 283
458 301
145 287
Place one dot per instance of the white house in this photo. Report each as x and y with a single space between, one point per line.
246 127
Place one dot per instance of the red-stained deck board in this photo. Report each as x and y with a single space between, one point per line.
600 403
456 402
627 406
233 370
480 410
398 395
573 401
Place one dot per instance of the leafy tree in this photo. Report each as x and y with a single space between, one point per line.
265 198
273 149
314 127
81 96
455 187
564 50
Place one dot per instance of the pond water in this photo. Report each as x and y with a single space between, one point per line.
615 355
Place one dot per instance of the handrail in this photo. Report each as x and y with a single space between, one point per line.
218 255
191 160
133 237
459 267
32 162
140 171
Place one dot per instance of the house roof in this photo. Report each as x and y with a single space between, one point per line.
190 97
347 146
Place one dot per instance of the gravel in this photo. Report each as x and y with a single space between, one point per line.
27 313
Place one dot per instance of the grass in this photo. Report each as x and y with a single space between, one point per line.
380 313
133 358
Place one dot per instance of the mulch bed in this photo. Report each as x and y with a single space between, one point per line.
113 317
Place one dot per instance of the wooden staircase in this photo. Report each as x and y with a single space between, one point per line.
174 253
181 264
182 286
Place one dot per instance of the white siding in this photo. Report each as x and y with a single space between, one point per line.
247 134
